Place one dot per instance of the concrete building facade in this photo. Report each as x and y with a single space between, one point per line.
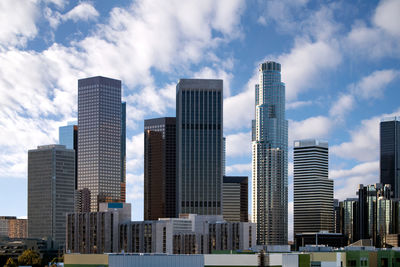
51 186
313 190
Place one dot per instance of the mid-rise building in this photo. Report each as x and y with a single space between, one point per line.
389 154
159 168
338 216
4 225
189 234
18 228
270 157
235 198
51 185
313 190
96 232
199 120
99 142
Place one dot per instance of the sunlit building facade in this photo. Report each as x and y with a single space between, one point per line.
270 157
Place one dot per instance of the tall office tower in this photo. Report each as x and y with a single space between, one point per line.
224 157
270 158
99 142
235 198
51 186
390 157
123 152
313 191
68 136
199 115
160 168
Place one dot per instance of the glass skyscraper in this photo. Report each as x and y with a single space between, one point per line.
68 136
390 158
99 142
123 152
160 168
270 157
199 115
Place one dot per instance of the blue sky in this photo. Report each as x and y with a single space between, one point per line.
340 63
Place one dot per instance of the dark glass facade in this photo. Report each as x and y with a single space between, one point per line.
123 152
99 142
390 160
159 168
199 115
68 136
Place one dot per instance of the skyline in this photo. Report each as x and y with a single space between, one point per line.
51 53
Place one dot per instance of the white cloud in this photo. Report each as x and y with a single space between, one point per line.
381 39
298 104
364 143
82 12
238 169
238 144
147 36
18 20
373 85
387 16
342 106
302 66
347 180
239 109
313 127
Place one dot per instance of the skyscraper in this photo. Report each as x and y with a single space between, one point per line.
199 115
51 185
68 136
235 198
123 152
99 142
160 168
270 157
390 158
313 191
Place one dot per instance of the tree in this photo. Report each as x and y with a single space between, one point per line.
29 257
10 263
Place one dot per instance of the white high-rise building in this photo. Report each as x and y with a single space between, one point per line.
270 158
313 191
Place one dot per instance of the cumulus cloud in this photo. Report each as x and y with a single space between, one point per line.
387 16
347 180
238 144
313 127
382 38
238 169
373 85
298 104
300 67
364 143
342 106
135 41
18 19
